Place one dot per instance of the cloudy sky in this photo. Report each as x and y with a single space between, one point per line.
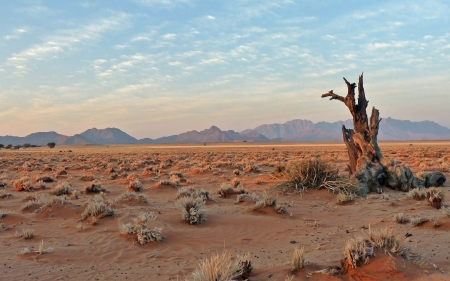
159 67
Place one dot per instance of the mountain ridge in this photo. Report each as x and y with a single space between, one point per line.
294 130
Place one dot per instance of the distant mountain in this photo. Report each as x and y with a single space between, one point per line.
390 129
212 134
295 130
108 136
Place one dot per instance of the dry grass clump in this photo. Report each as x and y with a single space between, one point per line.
94 187
265 200
4 212
22 184
63 188
191 209
43 202
131 195
298 259
227 189
4 195
360 248
416 221
222 267
135 185
400 218
251 167
417 194
311 173
60 171
139 227
435 196
235 182
96 207
41 250
26 234
87 177
191 191
45 178
445 211
162 182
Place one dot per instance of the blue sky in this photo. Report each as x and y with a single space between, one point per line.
159 67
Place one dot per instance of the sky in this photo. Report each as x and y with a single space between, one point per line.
154 68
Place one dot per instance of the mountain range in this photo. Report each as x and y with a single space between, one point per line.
295 131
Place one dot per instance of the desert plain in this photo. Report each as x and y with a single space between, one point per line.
66 244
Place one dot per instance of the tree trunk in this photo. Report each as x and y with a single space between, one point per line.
366 163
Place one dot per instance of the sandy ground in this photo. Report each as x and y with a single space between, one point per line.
84 250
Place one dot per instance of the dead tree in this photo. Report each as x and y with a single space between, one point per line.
366 162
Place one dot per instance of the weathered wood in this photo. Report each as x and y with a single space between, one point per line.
366 163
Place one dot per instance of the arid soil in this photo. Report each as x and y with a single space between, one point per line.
94 249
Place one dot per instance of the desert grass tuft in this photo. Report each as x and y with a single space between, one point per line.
135 185
95 207
191 191
63 188
22 184
94 187
416 221
222 267
139 227
309 173
400 218
298 259
192 210
26 234
131 195
360 248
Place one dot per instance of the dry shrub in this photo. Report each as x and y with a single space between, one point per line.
192 209
298 259
435 196
96 207
87 177
44 201
4 212
60 171
311 173
162 182
26 234
235 182
4 195
191 191
261 202
139 227
445 211
227 189
400 218
63 188
417 194
94 187
251 167
22 184
222 267
416 221
360 248
45 178
131 195
135 185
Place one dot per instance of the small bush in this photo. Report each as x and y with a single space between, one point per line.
94 187
416 221
192 209
87 177
298 259
227 189
312 173
26 234
401 218
131 195
139 227
190 191
22 184
222 267
63 188
96 207
135 185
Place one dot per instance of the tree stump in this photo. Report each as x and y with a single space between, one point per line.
366 162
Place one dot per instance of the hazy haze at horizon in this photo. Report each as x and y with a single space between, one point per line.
161 67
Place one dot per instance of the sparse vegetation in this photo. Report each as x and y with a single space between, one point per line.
63 188
222 267
97 207
192 210
139 227
131 195
298 259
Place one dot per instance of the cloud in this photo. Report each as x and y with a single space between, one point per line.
16 33
66 39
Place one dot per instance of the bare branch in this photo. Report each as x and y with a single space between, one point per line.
333 96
